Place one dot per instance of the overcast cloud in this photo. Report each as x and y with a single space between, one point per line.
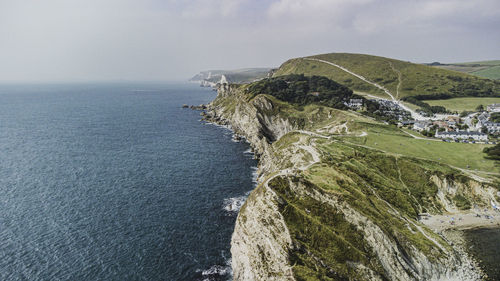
82 40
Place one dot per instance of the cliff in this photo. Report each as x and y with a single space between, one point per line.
327 208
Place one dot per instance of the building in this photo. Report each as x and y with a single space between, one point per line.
355 103
493 107
462 135
492 127
482 119
421 126
406 123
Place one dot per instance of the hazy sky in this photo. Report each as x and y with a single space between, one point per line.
79 40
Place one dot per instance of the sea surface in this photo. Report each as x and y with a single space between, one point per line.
484 244
116 182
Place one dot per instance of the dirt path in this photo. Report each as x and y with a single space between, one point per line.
413 113
419 138
357 75
400 81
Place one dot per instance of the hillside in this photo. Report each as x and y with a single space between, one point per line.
486 69
339 194
402 79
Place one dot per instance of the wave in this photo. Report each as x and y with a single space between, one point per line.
233 205
255 175
217 271
227 127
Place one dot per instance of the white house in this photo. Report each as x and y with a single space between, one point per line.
492 127
463 135
421 125
493 107
355 103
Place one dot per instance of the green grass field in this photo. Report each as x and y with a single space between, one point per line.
463 104
455 154
491 73
416 79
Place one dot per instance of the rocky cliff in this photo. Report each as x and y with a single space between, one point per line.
327 209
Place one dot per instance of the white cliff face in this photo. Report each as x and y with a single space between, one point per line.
261 242
482 194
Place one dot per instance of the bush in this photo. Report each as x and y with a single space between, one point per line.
301 90
425 106
492 152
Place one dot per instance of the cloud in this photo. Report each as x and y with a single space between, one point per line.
202 9
171 39
376 15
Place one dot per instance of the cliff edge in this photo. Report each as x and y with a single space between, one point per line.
329 208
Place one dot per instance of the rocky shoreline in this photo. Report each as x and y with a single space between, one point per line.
261 240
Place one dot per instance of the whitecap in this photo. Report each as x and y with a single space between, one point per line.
218 270
234 204
215 270
255 175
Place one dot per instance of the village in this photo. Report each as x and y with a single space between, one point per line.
467 127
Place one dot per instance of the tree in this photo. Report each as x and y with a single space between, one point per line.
492 152
480 107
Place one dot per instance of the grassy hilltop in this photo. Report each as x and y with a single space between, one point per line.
402 79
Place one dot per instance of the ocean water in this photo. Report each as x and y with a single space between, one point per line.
116 182
484 244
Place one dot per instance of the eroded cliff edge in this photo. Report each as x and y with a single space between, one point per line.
330 209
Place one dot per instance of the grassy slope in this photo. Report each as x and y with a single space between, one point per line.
299 66
352 173
461 104
417 79
393 140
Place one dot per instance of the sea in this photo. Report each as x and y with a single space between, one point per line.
116 181
484 245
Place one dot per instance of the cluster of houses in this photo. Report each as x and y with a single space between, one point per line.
483 122
386 108
474 127
493 107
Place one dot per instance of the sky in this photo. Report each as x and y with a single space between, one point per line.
142 40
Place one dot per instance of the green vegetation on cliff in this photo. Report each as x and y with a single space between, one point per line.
301 90
390 191
493 152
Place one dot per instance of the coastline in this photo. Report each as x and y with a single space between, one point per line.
254 255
